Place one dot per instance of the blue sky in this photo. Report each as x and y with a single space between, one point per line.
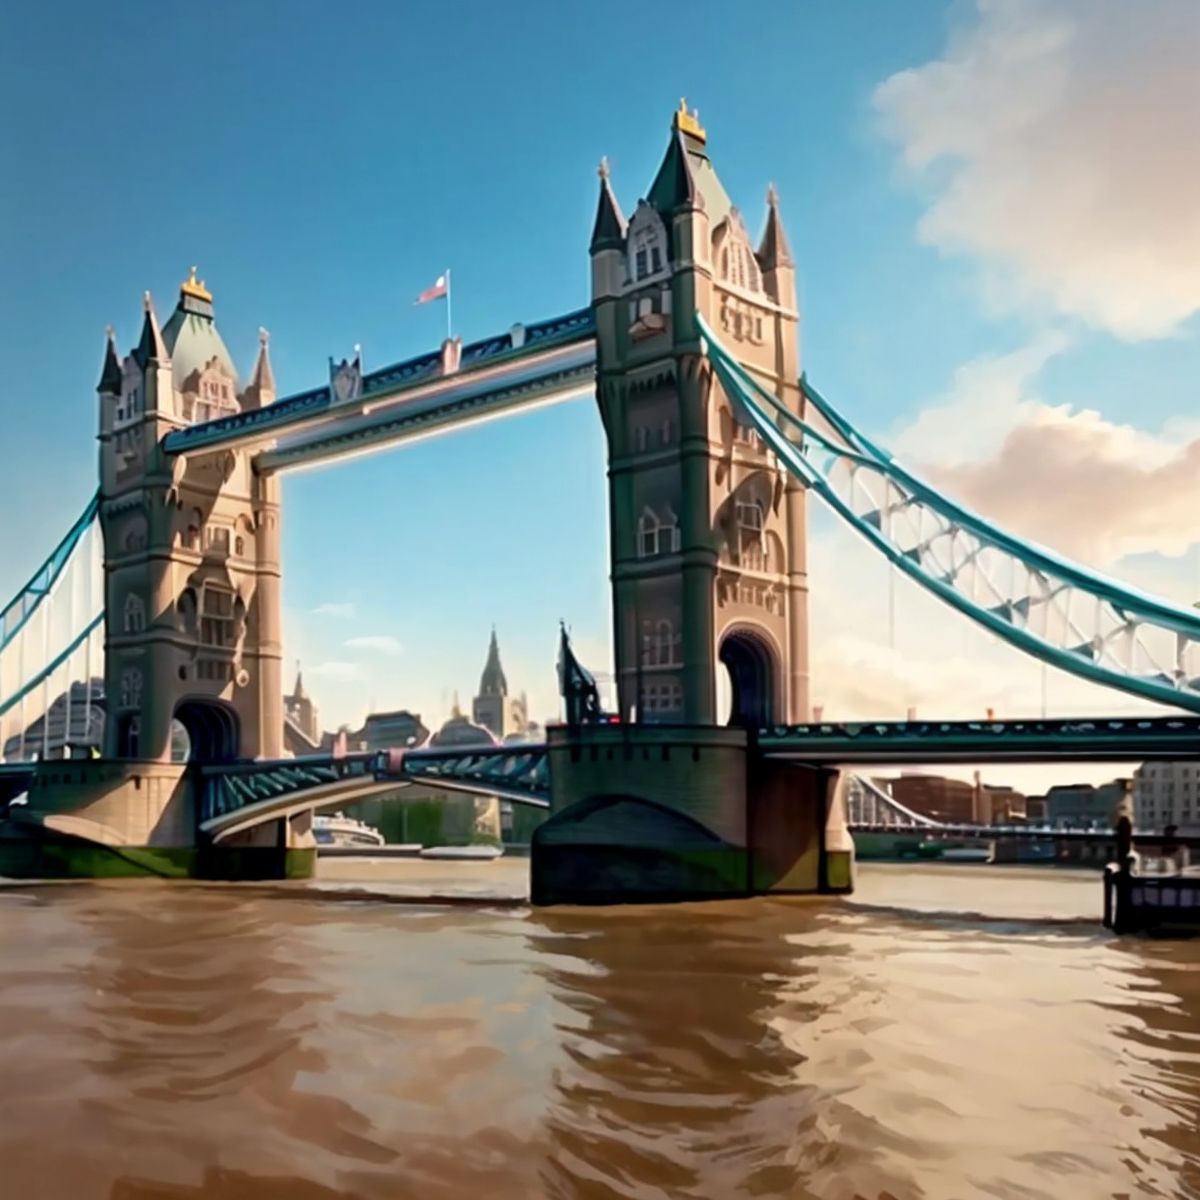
322 164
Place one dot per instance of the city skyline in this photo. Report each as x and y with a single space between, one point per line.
1001 361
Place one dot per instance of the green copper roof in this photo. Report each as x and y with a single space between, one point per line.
687 175
193 341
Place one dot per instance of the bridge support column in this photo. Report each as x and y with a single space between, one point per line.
644 813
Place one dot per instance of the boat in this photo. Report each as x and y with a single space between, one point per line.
463 853
339 830
967 854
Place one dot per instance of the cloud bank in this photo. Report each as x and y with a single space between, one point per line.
1058 141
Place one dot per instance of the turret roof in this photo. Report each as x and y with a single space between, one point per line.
492 681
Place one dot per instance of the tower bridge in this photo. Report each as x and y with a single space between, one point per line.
168 585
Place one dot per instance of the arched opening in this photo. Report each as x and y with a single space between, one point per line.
211 731
750 668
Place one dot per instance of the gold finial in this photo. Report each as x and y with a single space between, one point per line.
689 122
602 169
189 287
146 305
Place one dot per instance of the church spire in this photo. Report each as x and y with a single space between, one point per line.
773 250
492 681
260 391
608 233
298 692
150 347
110 374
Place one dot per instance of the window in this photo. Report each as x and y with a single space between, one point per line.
131 688
655 535
135 614
239 546
642 437
660 644
666 432
218 538
647 244
216 617
750 515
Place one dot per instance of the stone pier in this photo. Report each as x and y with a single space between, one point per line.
651 813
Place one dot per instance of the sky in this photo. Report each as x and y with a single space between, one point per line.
992 206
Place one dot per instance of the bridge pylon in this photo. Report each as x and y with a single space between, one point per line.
708 532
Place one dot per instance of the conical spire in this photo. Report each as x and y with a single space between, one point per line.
773 250
261 388
608 233
151 346
110 374
492 681
298 692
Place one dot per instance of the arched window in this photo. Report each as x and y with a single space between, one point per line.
657 535
239 546
131 688
135 614
667 431
642 437
647 244
647 534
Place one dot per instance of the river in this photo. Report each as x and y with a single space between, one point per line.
951 1032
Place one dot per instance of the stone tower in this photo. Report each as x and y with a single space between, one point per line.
493 707
191 550
708 532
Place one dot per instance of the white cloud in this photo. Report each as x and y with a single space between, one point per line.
1064 136
341 611
339 672
380 643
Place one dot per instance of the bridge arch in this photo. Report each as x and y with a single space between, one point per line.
753 668
212 728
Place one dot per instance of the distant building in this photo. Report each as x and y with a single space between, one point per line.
73 725
1167 793
1083 806
301 712
953 801
494 708
392 730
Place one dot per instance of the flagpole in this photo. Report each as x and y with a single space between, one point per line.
449 326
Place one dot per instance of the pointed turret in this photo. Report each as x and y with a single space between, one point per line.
150 347
260 391
773 250
492 681
298 692
110 373
608 233
674 186
775 256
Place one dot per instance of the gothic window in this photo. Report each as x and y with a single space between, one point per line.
657 535
239 546
135 614
218 538
131 688
216 616
647 244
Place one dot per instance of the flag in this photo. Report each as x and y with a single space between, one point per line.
436 292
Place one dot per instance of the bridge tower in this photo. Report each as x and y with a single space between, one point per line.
708 534
191 550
